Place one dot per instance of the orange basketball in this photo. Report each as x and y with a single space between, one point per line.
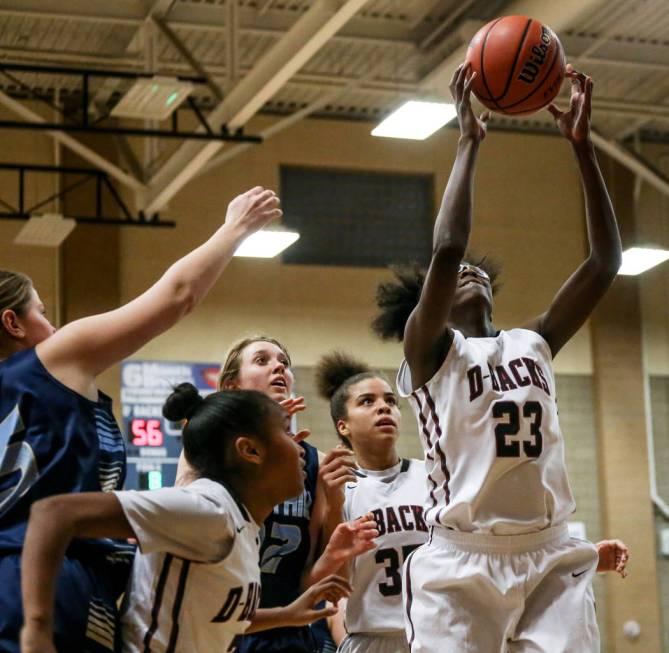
519 63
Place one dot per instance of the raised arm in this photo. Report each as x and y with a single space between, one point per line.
54 522
80 351
426 337
578 297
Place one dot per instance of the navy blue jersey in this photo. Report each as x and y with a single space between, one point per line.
285 545
55 441
284 554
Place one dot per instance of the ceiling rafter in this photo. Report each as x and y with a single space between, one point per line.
311 31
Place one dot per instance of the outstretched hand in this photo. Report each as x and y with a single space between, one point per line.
613 556
253 209
334 471
352 538
332 588
461 88
294 405
574 124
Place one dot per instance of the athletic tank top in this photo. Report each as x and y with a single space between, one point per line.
285 541
395 496
55 441
195 584
488 423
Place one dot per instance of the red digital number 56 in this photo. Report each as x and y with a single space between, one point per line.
146 432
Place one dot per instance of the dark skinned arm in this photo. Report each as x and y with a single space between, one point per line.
578 297
54 523
427 338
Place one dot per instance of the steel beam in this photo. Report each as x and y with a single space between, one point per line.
280 125
323 19
72 144
559 15
632 161
179 46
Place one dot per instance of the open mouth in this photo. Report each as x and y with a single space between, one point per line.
279 383
386 421
469 280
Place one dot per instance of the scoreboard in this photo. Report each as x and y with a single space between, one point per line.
153 443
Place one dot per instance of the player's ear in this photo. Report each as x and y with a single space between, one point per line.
11 324
249 450
343 429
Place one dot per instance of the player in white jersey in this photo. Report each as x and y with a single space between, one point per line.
196 580
364 411
367 419
500 572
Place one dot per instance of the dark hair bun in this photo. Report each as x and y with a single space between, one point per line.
182 403
334 369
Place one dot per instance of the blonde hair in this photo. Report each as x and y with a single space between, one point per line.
15 291
233 361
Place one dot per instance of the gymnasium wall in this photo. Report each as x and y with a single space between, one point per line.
528 215
41 264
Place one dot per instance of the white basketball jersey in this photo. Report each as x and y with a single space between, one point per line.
195 584
488 423
396 497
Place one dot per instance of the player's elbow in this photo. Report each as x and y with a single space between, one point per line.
184 298
50 508
606 268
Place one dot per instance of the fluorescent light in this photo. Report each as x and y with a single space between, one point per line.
152 98
639 259
416 120
266 243
48 230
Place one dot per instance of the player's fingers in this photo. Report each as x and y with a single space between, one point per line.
454 77
554 111
335 453
340 476
367 535
588 94
341 462
333 580
302 435
469 82
484 117
323 613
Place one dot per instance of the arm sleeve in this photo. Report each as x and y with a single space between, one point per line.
196 525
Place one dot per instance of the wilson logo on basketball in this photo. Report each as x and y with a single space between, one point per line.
531 66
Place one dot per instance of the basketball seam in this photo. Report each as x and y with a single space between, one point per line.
540 84
483 78
515 61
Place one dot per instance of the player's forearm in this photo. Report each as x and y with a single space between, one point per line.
453 224
330 562
603 234
267 618
50 531
188 280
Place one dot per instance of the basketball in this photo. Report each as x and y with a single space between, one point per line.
520 65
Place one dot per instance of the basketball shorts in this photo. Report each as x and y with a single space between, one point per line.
374 643
471 593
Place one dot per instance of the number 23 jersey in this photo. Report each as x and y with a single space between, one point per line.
395 496
488 423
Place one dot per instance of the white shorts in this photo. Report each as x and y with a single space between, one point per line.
374 643
471 593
